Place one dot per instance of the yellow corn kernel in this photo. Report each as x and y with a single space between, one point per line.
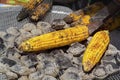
56 39
95 50
85 20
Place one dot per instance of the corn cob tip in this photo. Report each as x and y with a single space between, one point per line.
87 66
24 46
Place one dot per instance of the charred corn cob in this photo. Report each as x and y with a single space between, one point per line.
95 50
74 16
91 10
55 39
41 10
85 20
28 7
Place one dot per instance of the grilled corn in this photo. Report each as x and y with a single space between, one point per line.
55 39
95 50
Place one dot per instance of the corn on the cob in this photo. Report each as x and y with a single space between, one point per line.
74 16
95 50
91 10
84 20
55 39
41 10
28 7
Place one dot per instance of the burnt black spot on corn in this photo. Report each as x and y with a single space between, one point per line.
41 10
27 8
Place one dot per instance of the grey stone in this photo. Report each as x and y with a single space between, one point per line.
12 53
3 76
32 70
47 63
21 70
2 34
36 76
109 68
9 37
26 35
88 39
13 31
108 58
7 61
76 49
58 24
63 61
19 40
2 46
45 56
112 50
23 78
1 41
44 27
69 55
112 47
29 60
9 44
51 68
29 27
117 58
21 30
99 72
70 76
72 69
36 32
112 63
3 68
46 77
11 75
57 51
77 60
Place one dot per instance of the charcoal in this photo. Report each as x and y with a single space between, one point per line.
58 24
99 72
117 58
51 68
29 60
9 37
2 34
36 32
3 76
46 77
36 76
70 76
11 75
7 61
1 41
21 70
12 53
29 27
44 27
63 61
13 31
76 49
23 78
